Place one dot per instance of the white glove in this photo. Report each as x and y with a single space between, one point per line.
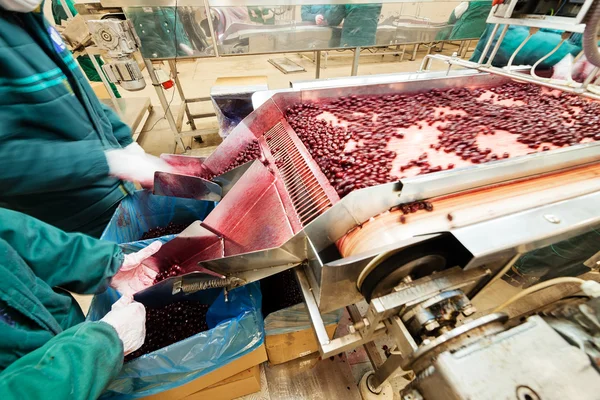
128 317
135 148
460 9
569 70
133 164
133 275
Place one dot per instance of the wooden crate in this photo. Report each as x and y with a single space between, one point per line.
289 346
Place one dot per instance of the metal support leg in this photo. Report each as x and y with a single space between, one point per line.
466 49
318 66
387 370
100 72
355 62
460 48
415 49
164 103
370 347
173 67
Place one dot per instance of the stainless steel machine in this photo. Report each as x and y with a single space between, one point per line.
419 277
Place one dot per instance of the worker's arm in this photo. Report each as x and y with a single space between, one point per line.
76 364
335 15
31 166
121 131
73 261
306 14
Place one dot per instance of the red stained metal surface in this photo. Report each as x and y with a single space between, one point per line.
281 190
194 244
261 122
186 165
252 215
227 151
190 187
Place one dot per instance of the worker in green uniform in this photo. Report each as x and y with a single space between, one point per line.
262 15
467 21
161 32
59 15
65 158
539 45
360 23
315 14
47 350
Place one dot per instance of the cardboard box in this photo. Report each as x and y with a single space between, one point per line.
246 382
245 362
289 346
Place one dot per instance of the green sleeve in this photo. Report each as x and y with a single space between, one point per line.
30 166
121 131
306 14
335 15
76 364
73 261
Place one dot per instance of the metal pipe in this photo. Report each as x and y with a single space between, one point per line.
488 44
213 36
497 46
355 62
175 73
164 103
318 66
312 307
514 54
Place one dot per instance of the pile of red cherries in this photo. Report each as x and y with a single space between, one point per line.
250 153
171 229
171 324
459 114
174 270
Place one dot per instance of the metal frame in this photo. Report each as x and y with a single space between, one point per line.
176 124
590 88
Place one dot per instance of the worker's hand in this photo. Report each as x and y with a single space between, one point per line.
319 19
128 317
133 275
135 148
133 164
570 70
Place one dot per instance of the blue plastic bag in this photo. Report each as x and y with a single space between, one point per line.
235 329
143 211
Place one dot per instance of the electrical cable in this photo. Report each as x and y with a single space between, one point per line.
164 116
537 287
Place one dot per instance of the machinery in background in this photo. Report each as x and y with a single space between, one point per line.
552 355
419 278
115 35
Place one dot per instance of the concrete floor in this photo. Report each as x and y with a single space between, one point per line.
198 76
